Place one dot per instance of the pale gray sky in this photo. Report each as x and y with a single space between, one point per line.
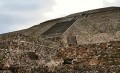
21 14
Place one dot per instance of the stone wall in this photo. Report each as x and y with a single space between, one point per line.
92 58
23 53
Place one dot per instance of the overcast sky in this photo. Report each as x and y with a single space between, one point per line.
21 14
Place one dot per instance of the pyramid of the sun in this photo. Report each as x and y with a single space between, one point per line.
85 42
93 26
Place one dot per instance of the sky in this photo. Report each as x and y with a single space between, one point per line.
21 14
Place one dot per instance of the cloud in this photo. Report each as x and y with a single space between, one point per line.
66 7
20 14
111 3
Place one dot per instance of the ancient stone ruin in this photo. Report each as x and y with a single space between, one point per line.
85 42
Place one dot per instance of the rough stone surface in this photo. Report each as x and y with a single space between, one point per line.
85 42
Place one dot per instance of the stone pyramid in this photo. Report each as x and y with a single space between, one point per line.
85 42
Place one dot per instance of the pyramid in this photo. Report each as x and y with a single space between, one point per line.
83 42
